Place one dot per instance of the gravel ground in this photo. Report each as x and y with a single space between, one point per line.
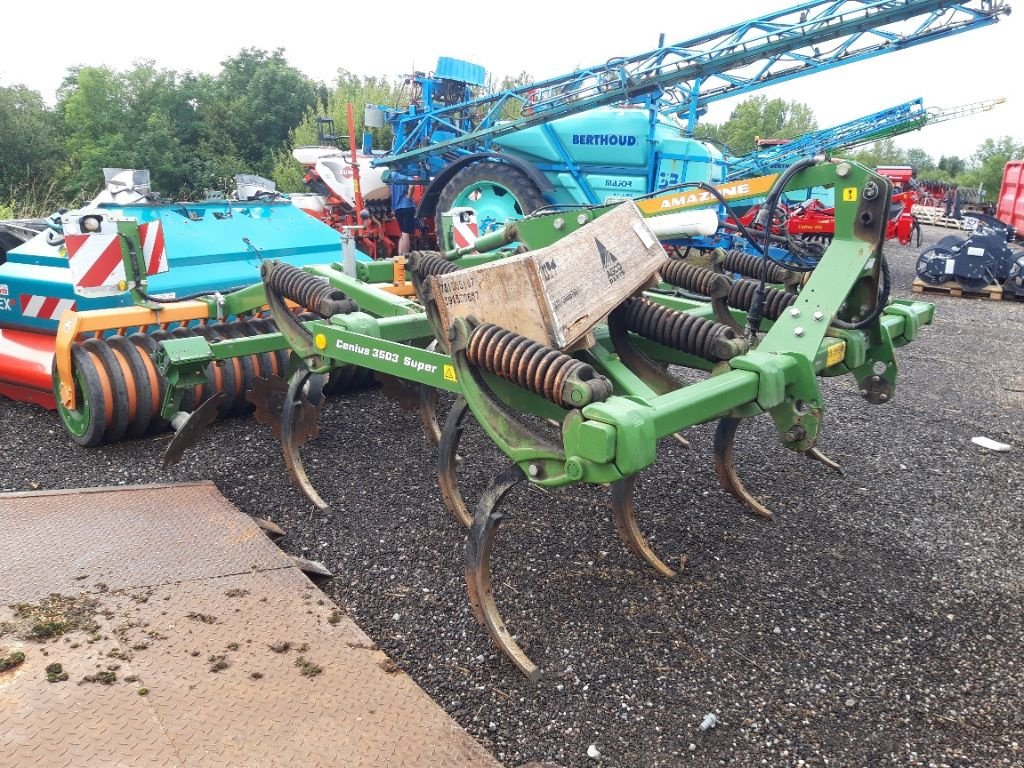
877 621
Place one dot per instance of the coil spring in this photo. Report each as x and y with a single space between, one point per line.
307 290
741 296
690 277
679 330
429 264
527 363
749 265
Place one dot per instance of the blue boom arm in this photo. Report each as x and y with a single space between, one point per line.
686 76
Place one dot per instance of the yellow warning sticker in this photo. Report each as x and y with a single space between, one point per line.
320 340
836 354
449 371
850 194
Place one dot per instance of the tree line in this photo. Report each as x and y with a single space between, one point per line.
194 132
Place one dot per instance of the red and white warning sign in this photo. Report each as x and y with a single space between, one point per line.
464 228
94 251
152 236
44 307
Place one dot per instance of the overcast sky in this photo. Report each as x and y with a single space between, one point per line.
542 38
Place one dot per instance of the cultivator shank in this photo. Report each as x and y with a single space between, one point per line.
613 394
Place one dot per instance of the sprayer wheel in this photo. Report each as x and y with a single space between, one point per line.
137 381
497 192
87 421
120 413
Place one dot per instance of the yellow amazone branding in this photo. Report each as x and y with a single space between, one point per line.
695 198
836 354
449 373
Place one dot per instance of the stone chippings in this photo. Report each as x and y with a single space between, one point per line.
877 621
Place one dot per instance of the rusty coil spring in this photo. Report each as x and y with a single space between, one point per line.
690 277
678 330
741 296
525 362
749 265
430 264
309 291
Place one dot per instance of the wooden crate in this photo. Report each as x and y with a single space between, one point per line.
992 292
555 295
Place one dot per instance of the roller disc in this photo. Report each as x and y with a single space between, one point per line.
279 357
157 384
223 373
87 421
263 365
245 373
120 412
137 381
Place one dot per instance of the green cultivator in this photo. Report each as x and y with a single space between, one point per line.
761 341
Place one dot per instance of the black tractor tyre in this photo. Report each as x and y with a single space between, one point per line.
528 197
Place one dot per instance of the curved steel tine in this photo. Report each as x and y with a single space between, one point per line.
725 437
429 398
479 544
624 513
817 455
448 464
298 424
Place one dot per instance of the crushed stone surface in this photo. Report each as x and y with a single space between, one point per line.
876 621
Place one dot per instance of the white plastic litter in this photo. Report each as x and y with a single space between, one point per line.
992 445
710 721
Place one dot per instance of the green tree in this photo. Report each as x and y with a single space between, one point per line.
920 159
257 99
31 150
986 168
348 88
882 152
952 165
760 117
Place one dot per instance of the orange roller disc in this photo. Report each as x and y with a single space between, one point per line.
140 390
113 382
